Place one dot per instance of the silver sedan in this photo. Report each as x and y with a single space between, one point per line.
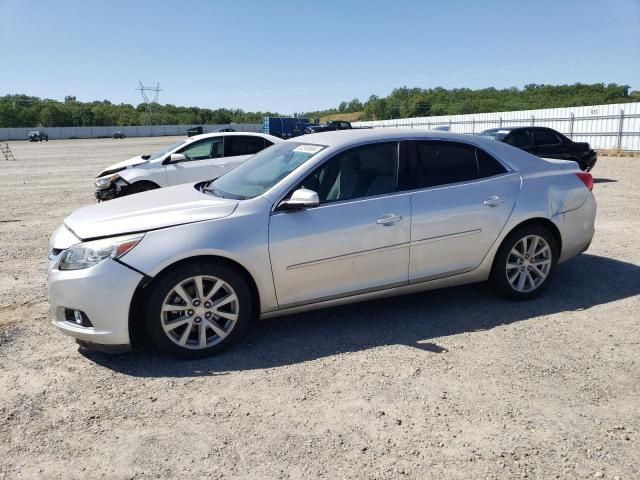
313 222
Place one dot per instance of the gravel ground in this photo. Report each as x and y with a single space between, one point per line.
456 383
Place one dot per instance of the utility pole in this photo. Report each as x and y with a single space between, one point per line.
150 97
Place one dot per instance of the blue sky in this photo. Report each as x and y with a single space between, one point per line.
305 55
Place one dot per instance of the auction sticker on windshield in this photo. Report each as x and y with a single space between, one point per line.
307 148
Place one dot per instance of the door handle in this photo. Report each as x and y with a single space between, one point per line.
389 219
494 201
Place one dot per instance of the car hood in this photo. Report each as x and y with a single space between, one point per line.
132 162
152 210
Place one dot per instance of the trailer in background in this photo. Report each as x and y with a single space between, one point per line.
285 127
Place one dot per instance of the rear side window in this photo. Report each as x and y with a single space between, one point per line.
519 138
545 137
442 163
243 145
487 165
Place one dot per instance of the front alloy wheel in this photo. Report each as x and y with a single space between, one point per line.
199 312
198 309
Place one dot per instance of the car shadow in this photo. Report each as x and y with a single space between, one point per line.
604 180
411 320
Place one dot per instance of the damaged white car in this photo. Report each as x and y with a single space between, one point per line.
197 158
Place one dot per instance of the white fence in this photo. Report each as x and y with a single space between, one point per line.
615 126
133 131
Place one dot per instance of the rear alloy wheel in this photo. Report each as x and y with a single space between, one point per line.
198 310
525 262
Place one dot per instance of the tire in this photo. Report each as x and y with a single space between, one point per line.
191 315
138 187
507 277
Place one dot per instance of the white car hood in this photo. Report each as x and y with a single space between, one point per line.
164 207
133 161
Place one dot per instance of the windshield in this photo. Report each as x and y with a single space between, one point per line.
263 170
166 150
495 134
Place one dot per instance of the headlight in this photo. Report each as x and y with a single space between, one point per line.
88 254
106 181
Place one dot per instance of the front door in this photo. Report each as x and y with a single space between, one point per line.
356 241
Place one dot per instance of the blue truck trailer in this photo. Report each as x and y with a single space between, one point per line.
285 127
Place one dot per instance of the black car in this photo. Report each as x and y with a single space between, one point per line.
38 136
329 126
545 142
118 134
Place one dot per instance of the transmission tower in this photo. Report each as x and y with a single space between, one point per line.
150 97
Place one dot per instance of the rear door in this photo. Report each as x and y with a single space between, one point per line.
355 241
463 199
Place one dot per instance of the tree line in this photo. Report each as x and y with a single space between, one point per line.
28 111
419 102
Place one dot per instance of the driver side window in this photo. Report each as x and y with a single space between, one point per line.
204 149
356 173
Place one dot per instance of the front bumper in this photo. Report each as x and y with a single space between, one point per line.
115 190
103 293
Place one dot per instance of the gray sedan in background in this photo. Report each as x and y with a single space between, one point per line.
314 222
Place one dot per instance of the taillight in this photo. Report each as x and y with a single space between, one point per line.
586 178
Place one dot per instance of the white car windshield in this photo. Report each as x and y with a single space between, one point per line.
166 150
263 170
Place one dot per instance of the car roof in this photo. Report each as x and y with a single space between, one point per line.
339 138
226 134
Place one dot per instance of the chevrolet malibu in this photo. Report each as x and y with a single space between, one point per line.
193 159
313 222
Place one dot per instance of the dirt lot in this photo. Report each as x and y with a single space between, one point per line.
448 384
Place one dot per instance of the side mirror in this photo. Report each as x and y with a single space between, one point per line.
177 157
300 199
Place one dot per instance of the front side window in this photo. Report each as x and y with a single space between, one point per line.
518 138
442 163
243 145
359 172
545 137
207 148
263 170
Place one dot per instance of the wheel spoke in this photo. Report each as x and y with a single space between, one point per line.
172 325
185 334
213 326
533 246
182 294
202 335
541 274
530 278
543 249
199 288
521 279
173 308
511 266
224 301
215 289
542 261
227 315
